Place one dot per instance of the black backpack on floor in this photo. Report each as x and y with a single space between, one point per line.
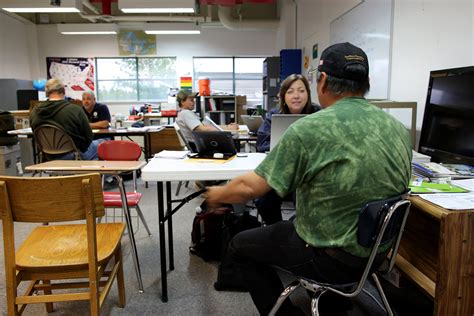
206 234
7 123
230 276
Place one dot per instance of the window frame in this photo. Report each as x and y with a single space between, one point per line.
234 58
137 78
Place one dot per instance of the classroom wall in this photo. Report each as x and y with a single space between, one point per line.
314 17
427 35
17 49
211 42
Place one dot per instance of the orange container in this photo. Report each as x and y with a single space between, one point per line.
204 86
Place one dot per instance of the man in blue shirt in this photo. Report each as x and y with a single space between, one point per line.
97 113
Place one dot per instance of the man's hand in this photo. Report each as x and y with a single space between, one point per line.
232 127
213 196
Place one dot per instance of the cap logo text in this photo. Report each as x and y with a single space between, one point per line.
354 57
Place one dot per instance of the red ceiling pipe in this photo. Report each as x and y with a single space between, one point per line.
233 2
106 6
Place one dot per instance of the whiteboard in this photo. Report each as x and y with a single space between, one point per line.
369 26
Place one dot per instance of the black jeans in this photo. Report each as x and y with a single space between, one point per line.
259 250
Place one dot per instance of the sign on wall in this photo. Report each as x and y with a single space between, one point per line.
132 42
77 74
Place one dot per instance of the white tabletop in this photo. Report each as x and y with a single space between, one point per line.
160 169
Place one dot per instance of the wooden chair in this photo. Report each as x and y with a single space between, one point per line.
381 224
53 141
54 257
122 150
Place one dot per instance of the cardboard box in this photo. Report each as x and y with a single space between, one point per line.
240 107
9 157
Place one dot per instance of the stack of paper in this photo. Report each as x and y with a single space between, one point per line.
172 154
435 170
454 201
419 158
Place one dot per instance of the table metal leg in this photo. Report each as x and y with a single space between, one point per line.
126 211
169 209
161 224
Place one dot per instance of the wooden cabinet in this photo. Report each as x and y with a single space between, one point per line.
437 253
222 109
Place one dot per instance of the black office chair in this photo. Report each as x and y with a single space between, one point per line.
381 225
52 141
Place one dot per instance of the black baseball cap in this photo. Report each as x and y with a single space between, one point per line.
182 95
336 58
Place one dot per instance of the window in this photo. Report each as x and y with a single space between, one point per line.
232 75
135 78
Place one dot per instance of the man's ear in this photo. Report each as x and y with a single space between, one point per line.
323 82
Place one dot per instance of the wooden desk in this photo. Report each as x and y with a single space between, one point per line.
150 137
113 168
437 253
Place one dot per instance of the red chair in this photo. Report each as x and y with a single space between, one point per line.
122 150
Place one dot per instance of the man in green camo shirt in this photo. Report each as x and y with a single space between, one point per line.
336 160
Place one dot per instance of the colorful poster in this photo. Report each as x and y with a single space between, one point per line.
77 74
186 83
132 42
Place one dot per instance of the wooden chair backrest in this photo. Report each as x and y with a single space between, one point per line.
53 140
50 199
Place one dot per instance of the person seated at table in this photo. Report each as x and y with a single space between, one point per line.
68 116
295 98
97 113
336 160
188 121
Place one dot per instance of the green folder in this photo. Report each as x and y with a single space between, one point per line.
430 187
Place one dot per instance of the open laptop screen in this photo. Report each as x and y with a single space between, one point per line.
253 122
210 143
208 121
280 123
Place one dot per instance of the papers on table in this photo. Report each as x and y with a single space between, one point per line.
20 131
467 184
172 154
145 128
452 201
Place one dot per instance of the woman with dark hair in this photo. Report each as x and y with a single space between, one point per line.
295 98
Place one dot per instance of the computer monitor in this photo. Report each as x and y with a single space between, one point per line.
280 123
447 132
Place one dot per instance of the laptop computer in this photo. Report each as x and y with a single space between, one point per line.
253 122
280 123
210 143
208 121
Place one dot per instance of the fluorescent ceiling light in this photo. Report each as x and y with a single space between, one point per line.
88 29
156 6
172 32
40 6
171 28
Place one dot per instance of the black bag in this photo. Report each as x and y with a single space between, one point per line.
7 123
206 235
230 276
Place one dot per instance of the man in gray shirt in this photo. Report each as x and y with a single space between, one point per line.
188 121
